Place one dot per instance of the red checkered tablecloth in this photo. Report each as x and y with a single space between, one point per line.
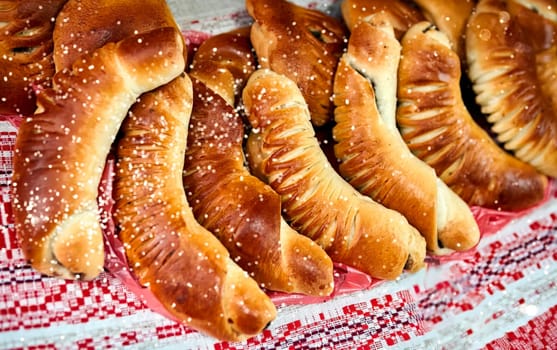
501 295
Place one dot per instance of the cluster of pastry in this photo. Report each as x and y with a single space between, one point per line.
222 189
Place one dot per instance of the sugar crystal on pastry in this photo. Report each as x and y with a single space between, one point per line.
227 199
190 262
311 191
291 44
42 144
509 183
508 79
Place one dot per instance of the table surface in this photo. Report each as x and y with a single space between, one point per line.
502 292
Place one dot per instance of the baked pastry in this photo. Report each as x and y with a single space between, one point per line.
185 267
401 14
450 17
302 44
25 52
85 25
546 67
438 128
317 202
537 19
503 70
241 210
228 55
60 152
373 156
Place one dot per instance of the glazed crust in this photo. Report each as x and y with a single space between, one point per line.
439 129
373 156
231 52
317 202
61 151
85 25
302 44
401 14
241 210
537 19
546 67
25 52
184 265
503 70
451 18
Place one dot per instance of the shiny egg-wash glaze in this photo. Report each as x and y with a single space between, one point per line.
401 14
373 155
26 49
301 43
60 152
185 266
316 201
438 128
240 209
85 25
504 74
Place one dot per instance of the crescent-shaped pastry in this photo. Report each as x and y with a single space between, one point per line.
537 20
85 25
503 70
372 155
438 128
401 14
241 210
352 228
60 152
302 44
185 267
25 52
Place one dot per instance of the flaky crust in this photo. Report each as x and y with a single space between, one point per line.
373 156
85 25
302 44
60 152
401 14
503 70
183 264
25 52
317 202
439 129
241 210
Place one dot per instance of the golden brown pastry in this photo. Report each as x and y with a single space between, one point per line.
85 25
450 16
302 44
241 210
60 152
502 67
401 14
439 129
537 19
352 228
186 268
25 52
546 68
230 51
373 156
